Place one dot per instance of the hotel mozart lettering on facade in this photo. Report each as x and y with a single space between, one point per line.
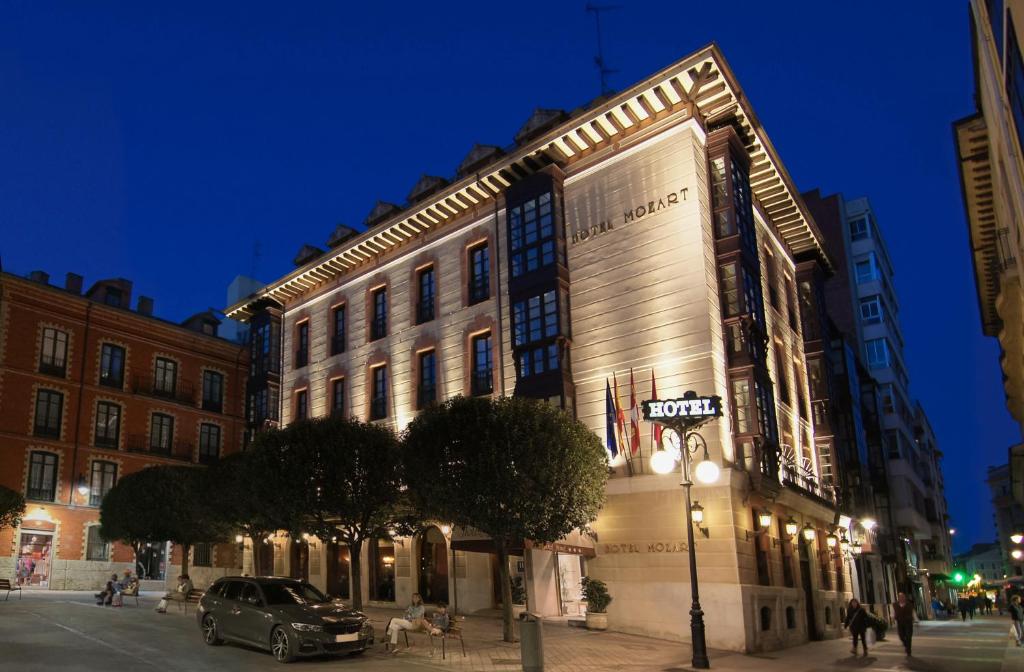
655 231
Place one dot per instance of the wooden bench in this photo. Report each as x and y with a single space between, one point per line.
129 592
6 585
192 600
454 631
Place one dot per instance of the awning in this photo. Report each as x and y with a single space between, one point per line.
573 543
474 541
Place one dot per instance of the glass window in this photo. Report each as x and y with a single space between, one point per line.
427 387
49 411
53 356
96 548
866 269
338 396
166 378
871 309
859 228
379 327
425 304
732 305
301 405
42 476
479 274
113 297
538 360
995 18
535 319
379 397
531 230
209 443
108 424
213 391
302 343
877 350
292 593
338 333
112 366
101 480
741 406
483 368
161 433
202 555
266 339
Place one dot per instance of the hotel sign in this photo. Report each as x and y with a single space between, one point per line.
689 406
633 214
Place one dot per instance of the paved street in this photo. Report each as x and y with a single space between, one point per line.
47 631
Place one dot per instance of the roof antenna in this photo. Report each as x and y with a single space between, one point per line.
602 69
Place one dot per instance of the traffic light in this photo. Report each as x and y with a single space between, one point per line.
959 577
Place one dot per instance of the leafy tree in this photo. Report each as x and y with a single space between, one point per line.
512 468
356 491
164 502
12 507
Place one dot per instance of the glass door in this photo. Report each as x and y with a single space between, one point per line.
33 565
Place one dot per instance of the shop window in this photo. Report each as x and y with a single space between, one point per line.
382 571
97 549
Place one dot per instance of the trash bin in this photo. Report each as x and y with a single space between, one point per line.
531 642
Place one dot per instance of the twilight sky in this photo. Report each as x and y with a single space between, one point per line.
168 144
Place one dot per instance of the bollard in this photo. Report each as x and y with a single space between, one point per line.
531 642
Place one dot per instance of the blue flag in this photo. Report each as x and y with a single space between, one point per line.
609 414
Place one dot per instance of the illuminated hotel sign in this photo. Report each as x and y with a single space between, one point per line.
633 214
690 406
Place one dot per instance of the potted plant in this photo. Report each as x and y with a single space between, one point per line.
595 594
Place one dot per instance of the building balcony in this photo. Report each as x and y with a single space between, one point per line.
182 392
177 450
796 478
52 366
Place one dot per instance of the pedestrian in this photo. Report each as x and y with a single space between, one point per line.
905 615
857 622
964 607
1017 618
972 605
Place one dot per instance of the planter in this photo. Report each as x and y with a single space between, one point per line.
597 621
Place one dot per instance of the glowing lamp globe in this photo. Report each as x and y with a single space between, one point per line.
239 538
1017 538
1016 553
707 472
791 527
662 462
809 532
697 513
857 548
844 545
831 540
868 524
446 530
764 519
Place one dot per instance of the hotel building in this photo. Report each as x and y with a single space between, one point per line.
91 390
652 236
989 146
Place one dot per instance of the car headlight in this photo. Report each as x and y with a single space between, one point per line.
307 627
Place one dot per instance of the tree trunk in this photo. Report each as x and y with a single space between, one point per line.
355 552
184 558
257 570
508 631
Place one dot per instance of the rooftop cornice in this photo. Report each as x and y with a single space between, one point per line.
701 81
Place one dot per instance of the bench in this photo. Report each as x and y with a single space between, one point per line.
192 600
6 585
133 591
454 631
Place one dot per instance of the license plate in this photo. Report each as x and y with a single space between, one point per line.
350 637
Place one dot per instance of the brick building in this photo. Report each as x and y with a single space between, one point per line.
91 390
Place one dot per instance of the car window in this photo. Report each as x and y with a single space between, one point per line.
216 588
250 593
292 593
232 590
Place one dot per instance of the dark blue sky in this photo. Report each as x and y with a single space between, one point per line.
161 144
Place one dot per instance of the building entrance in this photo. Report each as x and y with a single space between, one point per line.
433 566
570 573
338 570
33 565
151 562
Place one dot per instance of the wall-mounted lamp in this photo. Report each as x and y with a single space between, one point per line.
697 516
764 519
83 487
791 527
446 530
856 548
832 541
844 545
868 524
809 533
1017 537
1016 554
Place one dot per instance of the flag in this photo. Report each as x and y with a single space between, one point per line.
609 421
634 417
656 430
620 417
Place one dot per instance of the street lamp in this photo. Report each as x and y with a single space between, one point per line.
791 527
684 416
83 487
1017 537
844 545
831 540
809 533
764 519
1016 553
868 524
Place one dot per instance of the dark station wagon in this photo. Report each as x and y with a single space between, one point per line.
288 617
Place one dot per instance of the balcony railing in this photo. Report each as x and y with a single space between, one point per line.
479 289
796 477
213 405
425 311
378 328
183 392
176 450
109 443
108 379
53 366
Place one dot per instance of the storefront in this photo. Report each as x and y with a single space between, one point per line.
34 553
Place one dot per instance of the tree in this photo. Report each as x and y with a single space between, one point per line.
512 468
263 489
164 502
12 507
356 492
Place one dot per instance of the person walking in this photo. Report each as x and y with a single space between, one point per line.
964 607
905 615
1017 618
857 622
972 605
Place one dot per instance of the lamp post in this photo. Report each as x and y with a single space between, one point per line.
682 417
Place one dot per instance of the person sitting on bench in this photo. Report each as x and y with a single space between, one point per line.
413 621
179 594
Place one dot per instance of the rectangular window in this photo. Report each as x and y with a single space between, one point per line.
266 341
824 559
42 476
782 375
108 424
867 270
771 279
213 391
112 366
724 222
859 228
479 274
301 405
888 400
741 406
209 443
49 412
302 345
101 480
379 326
113 297
96 548
531 229
165 381
161 433
732 303
338 396
338 331
425 303
53 357
877 350
538 360
483 367
202 554
535 319
995 17
379 396
871 309
426 393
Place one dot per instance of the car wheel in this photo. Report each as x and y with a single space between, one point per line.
210 634
281 645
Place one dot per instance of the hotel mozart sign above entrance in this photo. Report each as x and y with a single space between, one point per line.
636 213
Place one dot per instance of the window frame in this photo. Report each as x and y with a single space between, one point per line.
162 368
209 403
543 248
97 492
426 294
301 407
338 384
107 351
166 422
478 266
204 453
379 392
37 471
46 429
426 390
339 328
302 344
106 441
379 311
57 339
481 352
90 552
